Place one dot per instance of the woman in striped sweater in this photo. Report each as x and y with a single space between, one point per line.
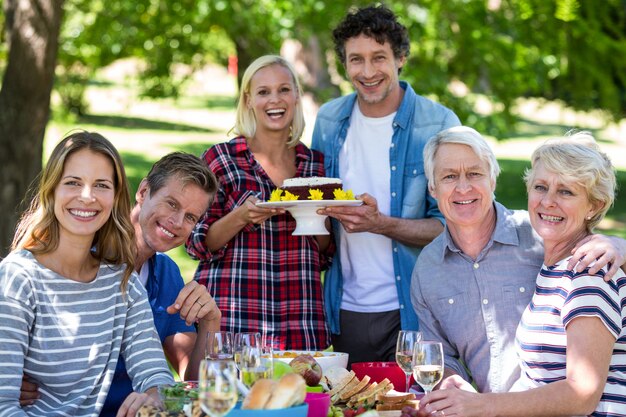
70 303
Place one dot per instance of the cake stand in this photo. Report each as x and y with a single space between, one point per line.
308 222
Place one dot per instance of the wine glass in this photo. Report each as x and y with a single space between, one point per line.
427 364
217 387
245 339
404 352
256 362
219 345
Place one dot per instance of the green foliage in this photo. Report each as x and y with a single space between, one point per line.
162 33
462 50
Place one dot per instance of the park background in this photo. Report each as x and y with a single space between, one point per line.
156 76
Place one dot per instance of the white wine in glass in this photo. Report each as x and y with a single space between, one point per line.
404 352
256 363
217 387
427 364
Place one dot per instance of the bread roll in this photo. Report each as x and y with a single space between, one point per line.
259 394
290 390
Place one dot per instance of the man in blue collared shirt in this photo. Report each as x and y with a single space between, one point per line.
373 141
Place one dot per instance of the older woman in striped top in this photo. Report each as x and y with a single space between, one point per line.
571 339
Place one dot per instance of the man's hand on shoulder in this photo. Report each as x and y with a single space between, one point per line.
597 251
364 218
195 304
29 392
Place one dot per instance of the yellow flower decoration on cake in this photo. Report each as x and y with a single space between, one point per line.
275 196
316 195
340 194
288 197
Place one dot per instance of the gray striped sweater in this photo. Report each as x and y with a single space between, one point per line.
67 336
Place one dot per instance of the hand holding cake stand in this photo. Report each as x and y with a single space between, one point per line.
308 222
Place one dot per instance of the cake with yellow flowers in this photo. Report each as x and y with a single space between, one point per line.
311 188
316 187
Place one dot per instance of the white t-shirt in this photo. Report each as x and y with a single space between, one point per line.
366 258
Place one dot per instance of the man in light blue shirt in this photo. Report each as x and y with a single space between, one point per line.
373 140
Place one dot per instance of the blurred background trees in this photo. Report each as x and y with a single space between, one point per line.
475 56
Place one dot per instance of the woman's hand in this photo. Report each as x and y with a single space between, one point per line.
251 213
136 400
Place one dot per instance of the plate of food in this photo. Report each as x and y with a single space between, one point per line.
326 360
302 197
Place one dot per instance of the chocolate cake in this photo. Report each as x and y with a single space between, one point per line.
301 187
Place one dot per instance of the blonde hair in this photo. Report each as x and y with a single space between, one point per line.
38 228
460 135
245 123
577 158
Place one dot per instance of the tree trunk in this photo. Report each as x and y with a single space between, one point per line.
32 35
313 67
245 56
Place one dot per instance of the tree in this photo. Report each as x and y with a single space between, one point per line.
32 28
461 50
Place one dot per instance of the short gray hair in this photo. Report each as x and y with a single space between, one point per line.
578 158
460 135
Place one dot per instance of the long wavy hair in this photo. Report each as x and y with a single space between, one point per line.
38 228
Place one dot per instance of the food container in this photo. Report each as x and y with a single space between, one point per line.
377 371
298 411
326 360
176 397
319 404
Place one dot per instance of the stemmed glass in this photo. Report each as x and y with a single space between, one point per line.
219 345
250 339
427 364
256 362
404 352
217 387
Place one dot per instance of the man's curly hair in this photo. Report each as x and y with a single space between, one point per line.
377 22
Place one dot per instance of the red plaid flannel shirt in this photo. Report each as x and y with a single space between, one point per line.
264 279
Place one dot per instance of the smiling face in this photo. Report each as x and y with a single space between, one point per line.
463 187
373 71
558 209
84 197
272 98
168 216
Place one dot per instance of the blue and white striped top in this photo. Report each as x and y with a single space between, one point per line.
67 336
561 296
